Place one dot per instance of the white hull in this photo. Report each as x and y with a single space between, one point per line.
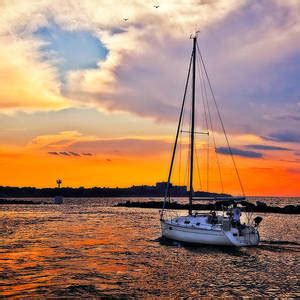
212 235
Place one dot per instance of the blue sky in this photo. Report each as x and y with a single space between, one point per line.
72 50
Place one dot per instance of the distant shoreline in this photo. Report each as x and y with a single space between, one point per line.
154 191
157 190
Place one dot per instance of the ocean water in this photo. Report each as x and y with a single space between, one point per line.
88 248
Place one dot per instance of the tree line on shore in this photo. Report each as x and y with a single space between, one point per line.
81 192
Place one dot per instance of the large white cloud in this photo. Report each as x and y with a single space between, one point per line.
37 82
146 65
241 40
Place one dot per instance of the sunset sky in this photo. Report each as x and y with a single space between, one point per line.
94 100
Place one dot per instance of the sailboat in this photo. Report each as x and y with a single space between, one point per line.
220 227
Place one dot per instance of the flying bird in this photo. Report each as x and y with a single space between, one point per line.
125 19
156 6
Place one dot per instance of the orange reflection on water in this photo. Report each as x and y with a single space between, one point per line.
94 251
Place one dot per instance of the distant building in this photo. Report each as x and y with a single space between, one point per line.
161 186
179 189
174 189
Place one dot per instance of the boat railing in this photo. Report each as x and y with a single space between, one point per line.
226 224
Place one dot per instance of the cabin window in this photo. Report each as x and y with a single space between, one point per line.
197 224
170 228
186 222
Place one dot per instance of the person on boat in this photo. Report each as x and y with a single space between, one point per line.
236 218
214 218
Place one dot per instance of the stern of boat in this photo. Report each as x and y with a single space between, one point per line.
248 236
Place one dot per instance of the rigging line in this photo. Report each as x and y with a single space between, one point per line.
179 164
180 145
177 133
213 133
188 166
222 124
198 168
187 170
204 95
207 165
201 81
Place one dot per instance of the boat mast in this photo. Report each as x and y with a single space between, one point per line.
192 126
